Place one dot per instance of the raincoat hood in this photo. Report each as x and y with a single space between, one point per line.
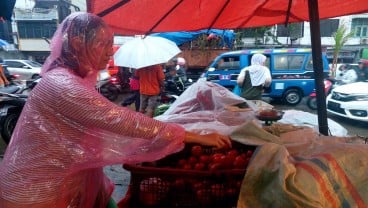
91 35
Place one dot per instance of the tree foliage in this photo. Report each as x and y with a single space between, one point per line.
341 36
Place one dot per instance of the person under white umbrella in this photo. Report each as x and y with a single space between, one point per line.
146 51
146 54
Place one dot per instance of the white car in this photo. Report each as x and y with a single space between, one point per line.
350 101
24 69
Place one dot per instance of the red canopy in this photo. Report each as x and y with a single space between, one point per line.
130 17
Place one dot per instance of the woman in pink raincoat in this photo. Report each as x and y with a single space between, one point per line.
68 132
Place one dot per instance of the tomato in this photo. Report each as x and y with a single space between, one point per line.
197 150
148 198
192 160
233 152
198 185
232 192
227 161
240 163
187 167
199 166
179 184
249 153
244 155
218 190
231 156
152 190
234 183
214 166
216 158
205 159
204 197
181 163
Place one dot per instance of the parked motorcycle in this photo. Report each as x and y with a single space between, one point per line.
11 104
312 99
15 85
108 89
112 86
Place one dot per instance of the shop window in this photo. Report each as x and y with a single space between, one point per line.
360 27
328 27
32 29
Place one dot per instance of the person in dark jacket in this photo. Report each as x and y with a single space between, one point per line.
362 73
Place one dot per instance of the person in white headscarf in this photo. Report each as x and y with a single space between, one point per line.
253 78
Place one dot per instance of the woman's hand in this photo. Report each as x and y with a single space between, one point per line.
213 139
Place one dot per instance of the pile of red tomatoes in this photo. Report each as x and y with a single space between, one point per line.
199 159
216 182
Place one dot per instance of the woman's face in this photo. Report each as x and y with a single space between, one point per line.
102 48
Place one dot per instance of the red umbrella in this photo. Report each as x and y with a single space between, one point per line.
129 17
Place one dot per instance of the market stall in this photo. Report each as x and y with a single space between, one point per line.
278 165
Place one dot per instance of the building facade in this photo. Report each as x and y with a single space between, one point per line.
32 27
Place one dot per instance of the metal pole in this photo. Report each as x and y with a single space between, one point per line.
318 65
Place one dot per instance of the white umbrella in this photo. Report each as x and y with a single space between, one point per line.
141 52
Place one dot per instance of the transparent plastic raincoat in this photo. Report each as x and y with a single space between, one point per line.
67 131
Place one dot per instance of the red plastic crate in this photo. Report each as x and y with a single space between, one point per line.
162 185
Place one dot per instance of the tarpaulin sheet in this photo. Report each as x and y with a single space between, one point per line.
227 36
303 169
202 108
